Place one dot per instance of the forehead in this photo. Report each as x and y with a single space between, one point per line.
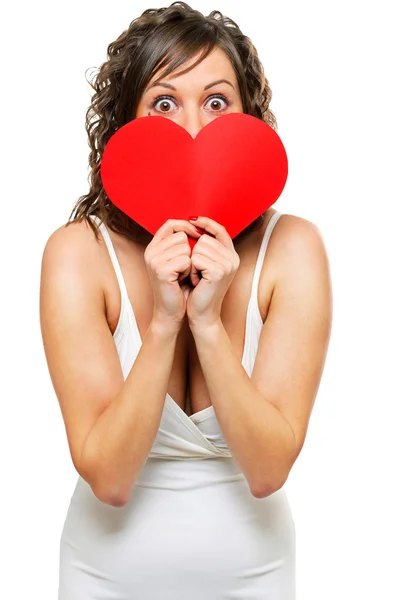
215 66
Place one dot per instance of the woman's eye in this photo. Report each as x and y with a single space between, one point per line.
163 101
217 102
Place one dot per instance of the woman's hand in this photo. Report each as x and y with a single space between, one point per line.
168 262
218 261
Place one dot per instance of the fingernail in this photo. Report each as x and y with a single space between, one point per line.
192 218
198 229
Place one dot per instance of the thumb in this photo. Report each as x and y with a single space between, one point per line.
194 275
185 273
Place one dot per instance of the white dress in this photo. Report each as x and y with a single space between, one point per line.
192 529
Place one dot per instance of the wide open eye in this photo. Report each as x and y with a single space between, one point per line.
164 101
216 99
160 103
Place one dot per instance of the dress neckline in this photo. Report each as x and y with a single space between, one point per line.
253 303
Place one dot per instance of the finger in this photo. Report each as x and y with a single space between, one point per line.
195 276
209 268
185 273
216 229
179 238
173 226
211 247
173 240
169 252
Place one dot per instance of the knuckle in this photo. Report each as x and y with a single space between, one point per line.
153 264
181 236
148 255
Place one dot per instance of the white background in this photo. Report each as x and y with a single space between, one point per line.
334 69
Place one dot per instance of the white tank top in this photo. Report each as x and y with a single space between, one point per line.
191 527
181 436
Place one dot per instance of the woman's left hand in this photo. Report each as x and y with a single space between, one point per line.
218 261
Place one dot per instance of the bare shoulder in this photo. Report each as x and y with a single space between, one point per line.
71 257
75 240
297 246
67 267
296 233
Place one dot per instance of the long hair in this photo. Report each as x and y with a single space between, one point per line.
162 38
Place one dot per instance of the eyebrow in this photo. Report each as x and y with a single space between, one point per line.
168 85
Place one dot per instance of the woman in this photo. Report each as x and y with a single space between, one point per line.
186 397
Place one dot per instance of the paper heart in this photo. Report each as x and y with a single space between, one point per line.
233 171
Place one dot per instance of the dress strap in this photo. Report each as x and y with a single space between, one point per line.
261 254
114 260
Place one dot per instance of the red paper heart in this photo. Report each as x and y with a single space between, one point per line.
234 170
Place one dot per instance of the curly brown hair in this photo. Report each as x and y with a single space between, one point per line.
162 38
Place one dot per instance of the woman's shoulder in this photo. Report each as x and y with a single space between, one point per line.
73 238
78 230
72 249
293 233
294 224
295 244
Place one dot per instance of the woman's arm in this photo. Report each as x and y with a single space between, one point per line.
111 424
264 418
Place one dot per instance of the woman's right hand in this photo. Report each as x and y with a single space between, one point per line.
168 262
